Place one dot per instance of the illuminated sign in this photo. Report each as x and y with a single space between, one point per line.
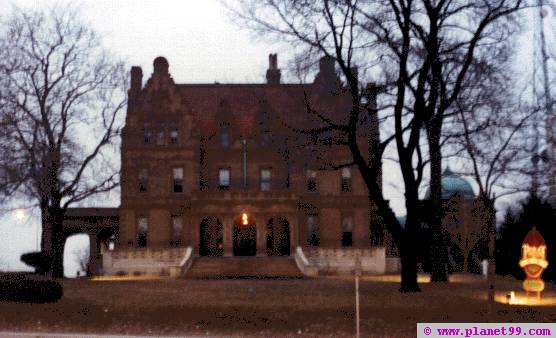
533 261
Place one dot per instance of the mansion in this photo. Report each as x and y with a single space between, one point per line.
210 172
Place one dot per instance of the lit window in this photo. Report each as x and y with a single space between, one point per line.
225 135
347 231
174 136
224 178
311 181
146 133
142 230
143 180
177 184
177 230
265 179
346 179
313 230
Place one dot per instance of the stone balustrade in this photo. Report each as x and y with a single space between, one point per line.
145 261
345 260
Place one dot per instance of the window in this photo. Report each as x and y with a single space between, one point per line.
177 230
177 184
142 230
347 231
146 133
311 181
160 135
266 138
224 178
174 136
143 180
313 230
346 179
265 179
225 135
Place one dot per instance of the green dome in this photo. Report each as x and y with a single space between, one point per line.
453 184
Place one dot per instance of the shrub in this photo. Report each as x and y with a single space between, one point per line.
37 260
19 288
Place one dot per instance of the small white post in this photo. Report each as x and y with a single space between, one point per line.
357 274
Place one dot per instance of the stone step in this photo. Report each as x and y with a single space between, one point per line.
238 267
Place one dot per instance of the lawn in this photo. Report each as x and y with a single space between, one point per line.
267 307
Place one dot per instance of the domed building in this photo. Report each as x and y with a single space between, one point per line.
461 219
454 184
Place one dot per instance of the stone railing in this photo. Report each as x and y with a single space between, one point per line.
344 260
303 263
146 261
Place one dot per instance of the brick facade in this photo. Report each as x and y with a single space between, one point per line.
239 153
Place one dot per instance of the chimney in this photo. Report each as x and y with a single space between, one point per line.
136 84
136 79
326 65
273 73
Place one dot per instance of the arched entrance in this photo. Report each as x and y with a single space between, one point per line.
210 237
76 255
278 237
245 236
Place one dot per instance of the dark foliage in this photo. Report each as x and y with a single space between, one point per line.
534 212
37 260
26 289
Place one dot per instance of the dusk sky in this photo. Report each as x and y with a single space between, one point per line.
201 45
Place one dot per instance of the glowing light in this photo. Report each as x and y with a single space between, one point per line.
521 299
19 214
244 219
533 261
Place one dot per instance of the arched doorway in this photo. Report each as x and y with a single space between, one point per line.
278 237
210 237
245 236
76 255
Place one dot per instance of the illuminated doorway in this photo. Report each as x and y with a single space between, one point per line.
245 236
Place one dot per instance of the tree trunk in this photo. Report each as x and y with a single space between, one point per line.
439 252
52 244
409 266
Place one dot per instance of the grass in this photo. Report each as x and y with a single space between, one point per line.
306 307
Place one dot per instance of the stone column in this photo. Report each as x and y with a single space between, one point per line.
261 235
294 240
193 233
95 264
227 238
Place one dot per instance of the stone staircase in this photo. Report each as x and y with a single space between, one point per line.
241 267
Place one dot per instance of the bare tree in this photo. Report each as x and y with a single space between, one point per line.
423 51
492 128
61 113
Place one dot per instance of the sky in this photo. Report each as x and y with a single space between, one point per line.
201 44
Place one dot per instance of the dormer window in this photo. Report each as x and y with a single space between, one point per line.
146 133
225 135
